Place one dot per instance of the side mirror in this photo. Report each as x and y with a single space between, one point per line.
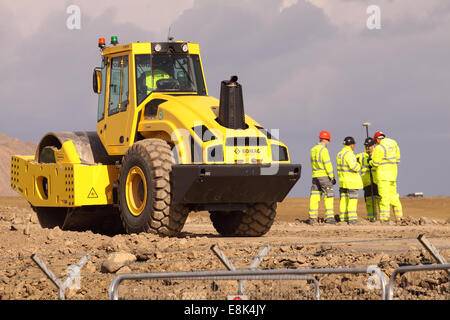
97 81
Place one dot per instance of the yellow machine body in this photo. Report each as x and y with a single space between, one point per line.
66 183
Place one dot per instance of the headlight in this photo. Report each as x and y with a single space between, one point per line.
184 47
157 47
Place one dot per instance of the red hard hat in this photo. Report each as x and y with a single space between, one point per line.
378 134
324 135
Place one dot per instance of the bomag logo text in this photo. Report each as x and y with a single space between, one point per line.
246 151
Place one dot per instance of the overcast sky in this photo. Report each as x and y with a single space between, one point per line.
305 66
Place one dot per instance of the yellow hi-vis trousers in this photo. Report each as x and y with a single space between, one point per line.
321 187
348 204
389 196
314 201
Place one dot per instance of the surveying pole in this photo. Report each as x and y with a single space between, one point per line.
374 206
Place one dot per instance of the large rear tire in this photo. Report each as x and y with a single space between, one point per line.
253 222
145 190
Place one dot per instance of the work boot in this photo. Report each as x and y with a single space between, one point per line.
311 221
372 219
355 221
330 221
337 218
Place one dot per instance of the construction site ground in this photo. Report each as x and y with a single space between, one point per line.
293 244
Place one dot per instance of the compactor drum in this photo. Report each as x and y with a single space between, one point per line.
162 148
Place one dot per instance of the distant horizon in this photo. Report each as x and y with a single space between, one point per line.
288 196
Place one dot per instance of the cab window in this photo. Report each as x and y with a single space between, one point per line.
118 85
168 73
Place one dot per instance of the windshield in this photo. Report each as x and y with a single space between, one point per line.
168 73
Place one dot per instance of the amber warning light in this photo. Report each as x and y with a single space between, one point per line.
101 43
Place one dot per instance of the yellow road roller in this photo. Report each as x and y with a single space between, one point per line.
163 148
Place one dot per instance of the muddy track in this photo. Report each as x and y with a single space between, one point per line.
293 244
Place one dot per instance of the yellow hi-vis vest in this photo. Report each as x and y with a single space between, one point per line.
385 157
363 159
320 162
150 81
348 169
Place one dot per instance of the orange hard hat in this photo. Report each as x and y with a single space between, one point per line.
324 135
378 135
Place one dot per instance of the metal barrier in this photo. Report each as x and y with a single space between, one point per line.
255 263
432 250
429 267
73 277
274 274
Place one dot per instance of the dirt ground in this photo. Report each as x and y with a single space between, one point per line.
293 244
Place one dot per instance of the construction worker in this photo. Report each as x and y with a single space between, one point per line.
150 81
385 157
322 180
371 196
349 181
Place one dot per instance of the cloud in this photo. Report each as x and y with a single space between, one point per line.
303 71
237 39
286 4
311 66
350 16
153 16
49 81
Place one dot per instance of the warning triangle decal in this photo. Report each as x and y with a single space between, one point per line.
92 194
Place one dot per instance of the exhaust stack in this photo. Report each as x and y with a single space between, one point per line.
231 108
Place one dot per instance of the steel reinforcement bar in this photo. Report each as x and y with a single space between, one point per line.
284 274
428 267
